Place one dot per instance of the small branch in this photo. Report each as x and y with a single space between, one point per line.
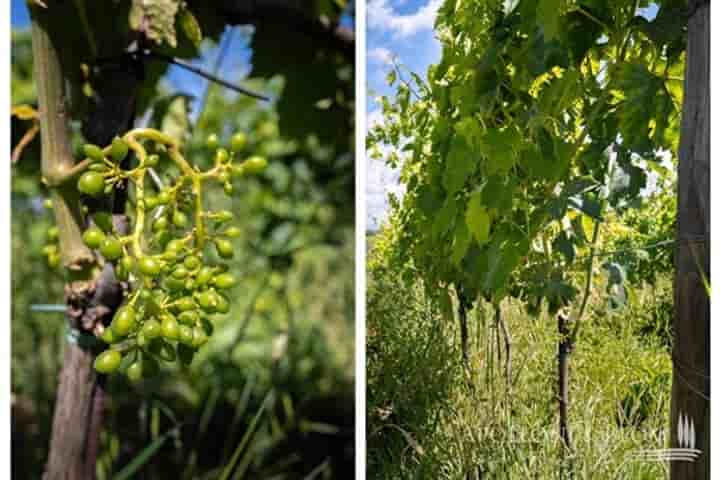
204 74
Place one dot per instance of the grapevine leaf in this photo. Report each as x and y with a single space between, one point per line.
563 244
156 19
190 27
548 17
477 218
444 218
459 165
502 260
498 147
461 242
497 193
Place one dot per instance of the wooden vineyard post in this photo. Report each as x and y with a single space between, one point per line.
690 408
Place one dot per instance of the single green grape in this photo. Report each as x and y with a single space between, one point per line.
93 237
169 327
238 141
135 371
151 329
93 152
124 320
108 361
179 219
149 266
224 248
119 149
111 248
91 183
225 281
255 164
212 141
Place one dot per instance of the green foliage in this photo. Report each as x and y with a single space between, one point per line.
533 123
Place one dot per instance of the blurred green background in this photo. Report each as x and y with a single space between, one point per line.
273 389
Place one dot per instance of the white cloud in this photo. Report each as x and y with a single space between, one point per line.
382 16
380 54
374 118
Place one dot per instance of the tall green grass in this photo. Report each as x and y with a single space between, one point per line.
428 417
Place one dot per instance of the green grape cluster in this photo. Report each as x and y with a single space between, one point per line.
173 285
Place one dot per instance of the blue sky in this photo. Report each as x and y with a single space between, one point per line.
403 29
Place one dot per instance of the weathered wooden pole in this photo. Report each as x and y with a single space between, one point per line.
92 292
690 409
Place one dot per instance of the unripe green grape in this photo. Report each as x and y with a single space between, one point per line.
189 284
93 237
53 260
204 276
185 303
108 336
185 334
119 149
189 317
104 221
52 233
238 141
124 320
164 197
111 248
225 281
199 337
49 249
135 371
47 203
108 361
161 224
128 263
212 141
93 152
207 300
228 189
223 176
221 156
149 266
179 219
151 202
180 272
169 327
237 170
91 183
175 246
223 216
232 232
223 305
224 248
174 285
142 339
151 329
255 164
191 262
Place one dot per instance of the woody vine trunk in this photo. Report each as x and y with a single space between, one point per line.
92 292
